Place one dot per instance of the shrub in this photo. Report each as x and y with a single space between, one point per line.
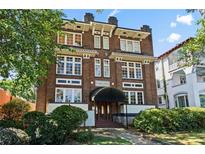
13 136
11 123
15 109
68 118
170 120
33 122
84 137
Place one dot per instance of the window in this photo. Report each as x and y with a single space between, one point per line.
97 41
62 81
106 67
97 67
182 79
160 99
131 70
181 100
132 85
123 45
105 42
158 84
60 65
69 65
134 97
70 95
68 38
130 45
59 95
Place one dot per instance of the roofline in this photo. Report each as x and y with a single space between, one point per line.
165 54
131 29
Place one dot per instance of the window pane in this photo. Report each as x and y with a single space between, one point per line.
129 46
69 68
139 98
69 39
96 41
181 101
131 73
78 40
70 59
77 60
61 38
77 69
97 67
60 68
138 73
68 95
136 46
124 72
106 66
123 45
59 95
105 42
126 96
132 98
77 95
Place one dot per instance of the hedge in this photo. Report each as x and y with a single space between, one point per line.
170 120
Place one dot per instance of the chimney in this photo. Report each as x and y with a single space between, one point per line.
113 20
146 28
88 17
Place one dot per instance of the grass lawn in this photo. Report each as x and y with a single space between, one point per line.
185 138
101 140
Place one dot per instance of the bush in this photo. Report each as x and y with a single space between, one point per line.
170 120
11 123
33 122
15 109
13 136
84 137
68 118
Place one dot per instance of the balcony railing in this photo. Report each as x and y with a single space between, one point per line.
176 65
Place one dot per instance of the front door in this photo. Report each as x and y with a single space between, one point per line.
103 111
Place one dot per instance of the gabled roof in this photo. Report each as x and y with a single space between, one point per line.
174 48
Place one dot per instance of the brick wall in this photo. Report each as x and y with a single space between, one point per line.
46 92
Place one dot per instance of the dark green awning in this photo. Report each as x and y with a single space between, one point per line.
107 94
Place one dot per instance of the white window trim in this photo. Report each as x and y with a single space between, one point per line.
73 62
126 46
128 75
129 98
99 41
132 85
108 45
104 68
98 65
65 41
176 99
64 89
75 84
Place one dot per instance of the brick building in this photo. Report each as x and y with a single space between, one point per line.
106 61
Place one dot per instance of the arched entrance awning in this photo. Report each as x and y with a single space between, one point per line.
107 94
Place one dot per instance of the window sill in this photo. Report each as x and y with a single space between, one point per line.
68 74
132 78
67 103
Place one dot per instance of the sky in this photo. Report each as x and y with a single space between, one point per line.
169 27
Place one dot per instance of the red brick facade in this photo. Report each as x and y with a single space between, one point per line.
46 92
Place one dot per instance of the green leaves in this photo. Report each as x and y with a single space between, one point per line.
27 46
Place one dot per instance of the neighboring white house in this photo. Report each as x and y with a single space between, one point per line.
179 86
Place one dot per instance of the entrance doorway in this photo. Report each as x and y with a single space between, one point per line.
103 111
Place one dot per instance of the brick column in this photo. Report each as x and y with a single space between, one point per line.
86 82
150 93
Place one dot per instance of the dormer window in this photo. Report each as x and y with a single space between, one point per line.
71 39
130 45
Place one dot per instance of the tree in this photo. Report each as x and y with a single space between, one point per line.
193 51
27 47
